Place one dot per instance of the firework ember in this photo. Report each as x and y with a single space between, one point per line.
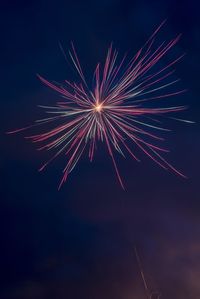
118 110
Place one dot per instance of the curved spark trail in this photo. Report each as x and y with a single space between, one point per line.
114 111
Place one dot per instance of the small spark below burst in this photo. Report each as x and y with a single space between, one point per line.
114 111
150 294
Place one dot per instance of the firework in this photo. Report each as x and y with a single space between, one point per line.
150 294
115 110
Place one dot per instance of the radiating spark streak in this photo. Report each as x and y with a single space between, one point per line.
183 120
115 110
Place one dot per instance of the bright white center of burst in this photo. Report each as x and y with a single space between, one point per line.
98 107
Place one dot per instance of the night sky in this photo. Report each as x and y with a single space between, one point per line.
79 242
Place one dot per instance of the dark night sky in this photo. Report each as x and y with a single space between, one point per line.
78 243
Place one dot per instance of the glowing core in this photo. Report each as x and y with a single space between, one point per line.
98 107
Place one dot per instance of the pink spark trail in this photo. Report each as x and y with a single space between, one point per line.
114 111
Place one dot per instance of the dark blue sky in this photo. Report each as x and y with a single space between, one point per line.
78 243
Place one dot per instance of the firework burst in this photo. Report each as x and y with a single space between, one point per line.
115 111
